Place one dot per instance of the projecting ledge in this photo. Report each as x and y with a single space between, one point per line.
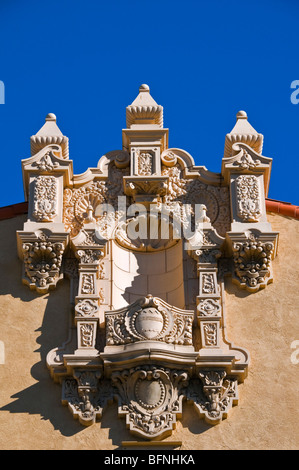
170 357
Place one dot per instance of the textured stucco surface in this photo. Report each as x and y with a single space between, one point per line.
265 323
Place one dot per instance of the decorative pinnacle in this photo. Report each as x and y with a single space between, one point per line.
51 117
144 110
243 132
144 87
242 115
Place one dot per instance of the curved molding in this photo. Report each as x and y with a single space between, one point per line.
190 170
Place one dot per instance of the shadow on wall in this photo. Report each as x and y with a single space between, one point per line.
43 398
52 312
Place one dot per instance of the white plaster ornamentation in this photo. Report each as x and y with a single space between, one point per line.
47 162
87 284
149 319
213 394
42 260
248 198
86 308
45 198
150 398
146 238
145 163
252 261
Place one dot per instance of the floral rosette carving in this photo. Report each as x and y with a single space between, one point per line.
82 205
86 308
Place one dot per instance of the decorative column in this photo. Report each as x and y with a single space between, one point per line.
88 298
145 139
208 299
251 241
43 240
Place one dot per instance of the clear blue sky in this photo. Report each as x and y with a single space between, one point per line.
203 60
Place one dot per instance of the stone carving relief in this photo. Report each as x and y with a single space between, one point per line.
150 398
86 396
148 355
86 308
82 205
245 160
47 162
252 262
213 394
248 198
149 319
42 261
87 284
209 307
45 198
145 163
194 191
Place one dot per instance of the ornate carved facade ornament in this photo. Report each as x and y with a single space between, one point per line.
213 394
45 198
150 398
147 239
149 319
252 261
42 259
248 198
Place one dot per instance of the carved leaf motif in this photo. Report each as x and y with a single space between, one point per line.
87 334
46 163
208 284
210 334
87 284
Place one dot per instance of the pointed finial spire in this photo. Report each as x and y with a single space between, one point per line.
245 133
144 87
49 134
144 110
51 117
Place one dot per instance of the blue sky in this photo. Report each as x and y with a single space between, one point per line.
203 60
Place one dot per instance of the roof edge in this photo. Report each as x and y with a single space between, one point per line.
8 212
283 208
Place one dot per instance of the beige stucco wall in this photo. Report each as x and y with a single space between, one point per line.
265 323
